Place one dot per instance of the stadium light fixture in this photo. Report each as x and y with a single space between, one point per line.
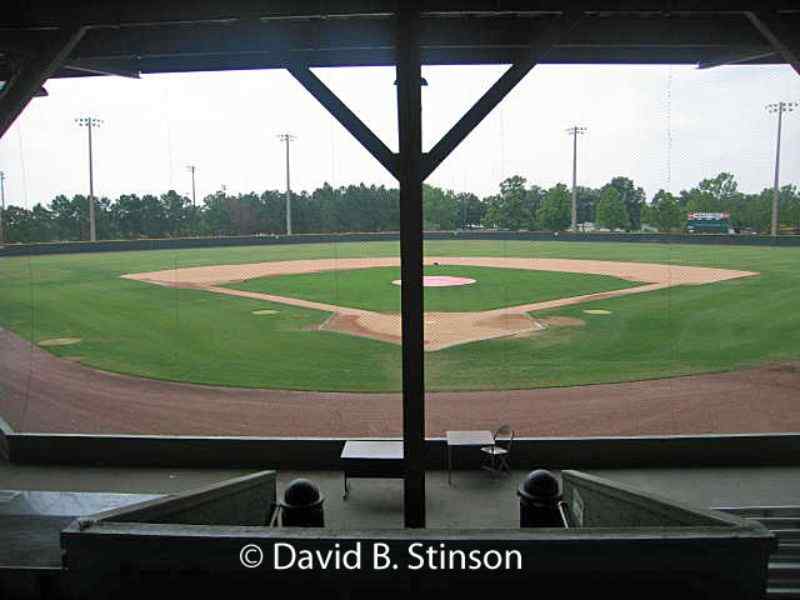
575 131
287 138
90 123
192 169
779 108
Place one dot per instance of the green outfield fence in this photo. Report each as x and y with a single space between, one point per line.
268 240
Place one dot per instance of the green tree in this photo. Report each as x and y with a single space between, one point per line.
69 217
754 211
511 209
611 211
789 206
470 211
326 200
439 208
716 194
586 200
177 213
216 217
667 214
18 225
632 197
127 215
271 212
555 213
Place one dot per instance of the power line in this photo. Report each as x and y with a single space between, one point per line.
575 131
287 138
90 123
780 108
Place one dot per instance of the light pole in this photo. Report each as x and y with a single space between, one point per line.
575 131
90 123
2 207
780 108
192 169
287 139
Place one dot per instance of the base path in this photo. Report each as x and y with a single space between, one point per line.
442 329
42 393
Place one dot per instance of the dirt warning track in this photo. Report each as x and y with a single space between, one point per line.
43 393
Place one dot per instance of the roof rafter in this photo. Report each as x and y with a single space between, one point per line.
782 38
346 117
28 78
540 45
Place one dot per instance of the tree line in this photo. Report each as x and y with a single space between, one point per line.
618 205
621 205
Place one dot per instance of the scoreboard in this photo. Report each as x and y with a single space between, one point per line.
703 222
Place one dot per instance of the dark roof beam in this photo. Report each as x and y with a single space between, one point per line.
539 46
114 13
430 56
782 36
484 38
348 119
374 34
26 82
94 67
737 57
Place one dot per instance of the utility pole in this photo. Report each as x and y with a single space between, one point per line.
287 139
780 108
2 207
90 123
575 131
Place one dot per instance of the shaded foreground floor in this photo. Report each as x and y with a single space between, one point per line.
473 501
42 393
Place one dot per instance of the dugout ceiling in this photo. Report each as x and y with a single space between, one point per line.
51 38
132 37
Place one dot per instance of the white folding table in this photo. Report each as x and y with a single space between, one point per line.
464 438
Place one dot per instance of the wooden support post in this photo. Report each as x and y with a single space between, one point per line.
409 114
27 80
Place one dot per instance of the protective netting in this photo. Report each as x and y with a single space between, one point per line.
241 331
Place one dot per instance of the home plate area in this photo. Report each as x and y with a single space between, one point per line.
438 281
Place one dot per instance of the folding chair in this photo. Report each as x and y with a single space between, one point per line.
499 453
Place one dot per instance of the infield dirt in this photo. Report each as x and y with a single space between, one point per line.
442 329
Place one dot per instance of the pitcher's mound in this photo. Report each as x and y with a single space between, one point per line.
440 281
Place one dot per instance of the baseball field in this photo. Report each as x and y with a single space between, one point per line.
324 317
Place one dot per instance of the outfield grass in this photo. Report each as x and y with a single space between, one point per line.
372 289
190 335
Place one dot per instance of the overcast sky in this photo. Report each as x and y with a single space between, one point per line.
226 124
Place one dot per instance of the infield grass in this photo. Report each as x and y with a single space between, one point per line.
193 336
372 289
